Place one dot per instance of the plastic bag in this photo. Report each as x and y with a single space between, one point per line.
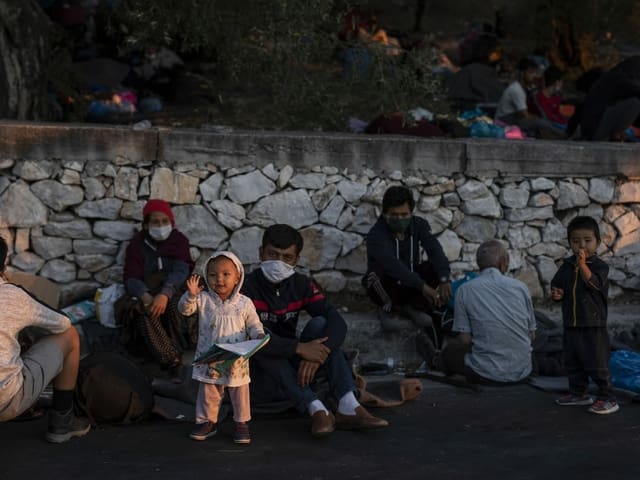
624 366
80 311
456 284
105 299
486 130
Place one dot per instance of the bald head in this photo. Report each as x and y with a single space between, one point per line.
492 254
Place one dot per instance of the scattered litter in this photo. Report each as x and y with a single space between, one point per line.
421 114
142 125
356 125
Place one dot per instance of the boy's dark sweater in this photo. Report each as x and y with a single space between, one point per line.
584 304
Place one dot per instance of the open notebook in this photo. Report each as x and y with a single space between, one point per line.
222 355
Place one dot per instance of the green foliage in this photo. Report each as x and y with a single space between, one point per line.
287 51
184 26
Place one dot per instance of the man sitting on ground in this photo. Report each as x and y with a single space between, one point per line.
496 323
55 358
397 279
287 366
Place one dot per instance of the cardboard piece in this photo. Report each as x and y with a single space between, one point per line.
43 289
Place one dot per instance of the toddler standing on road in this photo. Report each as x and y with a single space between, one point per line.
581 284
225 316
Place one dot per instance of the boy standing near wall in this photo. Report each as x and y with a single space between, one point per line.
581 284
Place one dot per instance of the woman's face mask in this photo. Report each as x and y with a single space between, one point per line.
276 271
160 233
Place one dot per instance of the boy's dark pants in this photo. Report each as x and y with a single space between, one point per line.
586 354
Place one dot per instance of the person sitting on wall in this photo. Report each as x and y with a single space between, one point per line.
287 366
54 357
613 103
475 83
546 102
496 323
396 279
512 107
157 264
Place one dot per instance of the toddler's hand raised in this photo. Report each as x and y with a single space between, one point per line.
193 285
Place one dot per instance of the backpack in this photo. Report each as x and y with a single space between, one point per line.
111 388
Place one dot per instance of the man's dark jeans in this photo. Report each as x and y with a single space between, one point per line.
275 379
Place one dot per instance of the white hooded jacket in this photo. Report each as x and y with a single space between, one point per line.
230 321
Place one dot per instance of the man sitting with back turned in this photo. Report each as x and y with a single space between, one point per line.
287 366
495 318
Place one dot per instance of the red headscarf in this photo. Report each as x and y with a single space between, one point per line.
156 205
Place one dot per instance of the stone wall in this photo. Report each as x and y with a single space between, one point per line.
71 196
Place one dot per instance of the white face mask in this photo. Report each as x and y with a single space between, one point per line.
276 271
160 233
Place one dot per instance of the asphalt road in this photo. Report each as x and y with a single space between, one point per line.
447 432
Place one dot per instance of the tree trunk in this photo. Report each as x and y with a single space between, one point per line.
24 50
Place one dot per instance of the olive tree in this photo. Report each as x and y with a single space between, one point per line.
288 51
25 47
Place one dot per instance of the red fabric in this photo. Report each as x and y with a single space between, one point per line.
69 15
550 108
156 205
395 124
353 21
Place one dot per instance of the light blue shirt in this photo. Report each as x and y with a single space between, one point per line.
498 313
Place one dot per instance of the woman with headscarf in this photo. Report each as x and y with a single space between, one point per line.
157 264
